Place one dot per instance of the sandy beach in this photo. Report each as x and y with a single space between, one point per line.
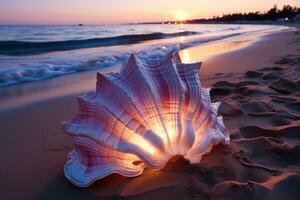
258 81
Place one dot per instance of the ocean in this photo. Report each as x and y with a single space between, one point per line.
33 53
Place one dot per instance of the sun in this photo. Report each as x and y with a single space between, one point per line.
181 15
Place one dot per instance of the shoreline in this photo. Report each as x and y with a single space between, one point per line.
79 83
260 162
35 67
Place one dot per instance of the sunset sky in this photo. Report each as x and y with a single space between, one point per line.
123 11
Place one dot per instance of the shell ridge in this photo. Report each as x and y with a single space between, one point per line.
129 90
167 83
215 134
145 69
137 148
189 74
74 170
112 139
131 59
118 93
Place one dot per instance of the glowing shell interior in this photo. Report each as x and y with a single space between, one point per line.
148 112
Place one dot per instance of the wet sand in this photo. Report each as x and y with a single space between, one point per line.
259 86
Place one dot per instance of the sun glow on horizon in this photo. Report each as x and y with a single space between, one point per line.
181 15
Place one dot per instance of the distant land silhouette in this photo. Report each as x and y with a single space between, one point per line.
287 13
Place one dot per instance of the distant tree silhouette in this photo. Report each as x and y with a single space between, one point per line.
287 12
272 14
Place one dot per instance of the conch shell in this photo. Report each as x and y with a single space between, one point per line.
140 117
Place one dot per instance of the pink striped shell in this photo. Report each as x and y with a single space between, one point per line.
150 111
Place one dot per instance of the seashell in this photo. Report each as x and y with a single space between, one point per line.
140 117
